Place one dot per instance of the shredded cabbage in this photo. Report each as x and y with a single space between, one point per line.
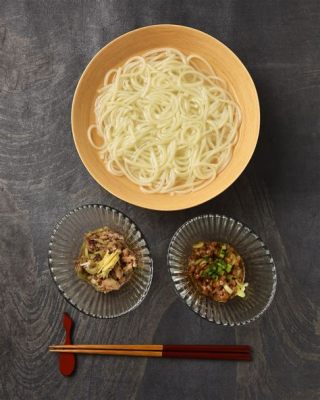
105 266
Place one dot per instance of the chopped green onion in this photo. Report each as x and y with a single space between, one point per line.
228 268
222 253
241 287
227 288
220 272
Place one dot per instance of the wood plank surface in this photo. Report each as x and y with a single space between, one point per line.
44 47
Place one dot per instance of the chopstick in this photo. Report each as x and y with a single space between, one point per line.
158 347
216 352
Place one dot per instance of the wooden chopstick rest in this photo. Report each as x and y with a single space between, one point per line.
67 360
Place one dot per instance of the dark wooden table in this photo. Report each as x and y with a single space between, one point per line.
44 47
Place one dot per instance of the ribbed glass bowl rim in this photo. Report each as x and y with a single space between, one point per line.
50 260
251 232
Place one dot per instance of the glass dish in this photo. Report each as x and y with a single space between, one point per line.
64 247
260 270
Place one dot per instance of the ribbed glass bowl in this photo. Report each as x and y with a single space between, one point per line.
64 248
260 270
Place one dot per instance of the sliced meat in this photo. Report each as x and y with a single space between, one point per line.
118 271
109 284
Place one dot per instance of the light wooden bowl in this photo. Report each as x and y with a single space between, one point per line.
188 40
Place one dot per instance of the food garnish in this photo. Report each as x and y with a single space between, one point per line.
105 261
217 270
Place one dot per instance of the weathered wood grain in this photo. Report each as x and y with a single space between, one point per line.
44 47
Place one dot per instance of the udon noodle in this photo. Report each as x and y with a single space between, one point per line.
166 121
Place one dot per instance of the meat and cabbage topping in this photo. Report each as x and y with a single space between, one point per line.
105 260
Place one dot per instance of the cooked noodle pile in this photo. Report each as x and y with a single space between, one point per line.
166 121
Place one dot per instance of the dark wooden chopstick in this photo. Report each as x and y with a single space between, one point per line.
159 354
159 347
214 352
